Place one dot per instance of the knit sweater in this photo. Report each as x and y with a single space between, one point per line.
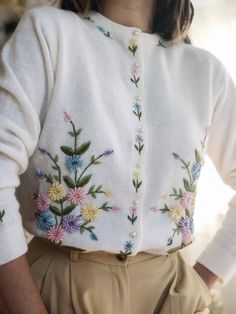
103 134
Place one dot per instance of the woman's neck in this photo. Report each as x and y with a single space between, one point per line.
137 13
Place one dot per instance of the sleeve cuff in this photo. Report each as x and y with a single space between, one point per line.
219 262
13 243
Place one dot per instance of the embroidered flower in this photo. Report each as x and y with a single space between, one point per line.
109 194
108 152
43 151
102 29
44 220
170 241
128 245
90 212
196 169
184 224
154 208
67 117
40 174
175 212
133 45
133 210
165 196
43 202
186 199
56 192
139 138
74 162
71 223
136 174
135 72
186 237
115 208
77 195
56 234
137 106
93 236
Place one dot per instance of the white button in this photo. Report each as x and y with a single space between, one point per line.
135 202
137 64
133 234
139 165
136 32
140 130
139 98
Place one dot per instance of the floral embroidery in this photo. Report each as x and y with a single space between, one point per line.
68 192
182 212
133 210
128 246
137 110
106 33
139 140
135 74
56 234
136 182
99 27
133 45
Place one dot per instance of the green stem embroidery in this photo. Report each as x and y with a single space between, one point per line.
2 213
136 184
135 80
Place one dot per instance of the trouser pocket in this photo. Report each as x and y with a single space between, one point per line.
188 293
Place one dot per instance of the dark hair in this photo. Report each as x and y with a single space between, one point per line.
171 18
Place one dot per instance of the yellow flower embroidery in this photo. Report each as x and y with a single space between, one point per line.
136 174
176 212
132 42
56 192
165 196
108 193
90 212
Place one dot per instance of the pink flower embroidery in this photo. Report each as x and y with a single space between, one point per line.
56 234
186 237
186 199
67 117
134 70
154 208
133 210
115 208
77 195
43 202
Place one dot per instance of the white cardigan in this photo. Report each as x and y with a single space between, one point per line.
104 131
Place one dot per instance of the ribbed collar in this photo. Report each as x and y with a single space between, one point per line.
119 31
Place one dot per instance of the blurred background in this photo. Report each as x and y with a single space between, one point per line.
213 29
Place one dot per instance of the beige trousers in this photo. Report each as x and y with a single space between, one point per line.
97 282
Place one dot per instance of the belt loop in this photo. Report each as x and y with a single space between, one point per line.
74 255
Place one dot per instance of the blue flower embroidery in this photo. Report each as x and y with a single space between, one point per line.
196 169
74 162
45 220
128 245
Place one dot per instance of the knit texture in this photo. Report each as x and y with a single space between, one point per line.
103 134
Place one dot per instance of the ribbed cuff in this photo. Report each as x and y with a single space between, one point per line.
219 262
13 243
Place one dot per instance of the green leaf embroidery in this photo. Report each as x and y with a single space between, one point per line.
83 148
67 150
69 182
69 209
83 181
55 210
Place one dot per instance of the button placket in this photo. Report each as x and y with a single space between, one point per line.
136 71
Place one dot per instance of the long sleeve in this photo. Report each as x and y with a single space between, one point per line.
220 253
25 79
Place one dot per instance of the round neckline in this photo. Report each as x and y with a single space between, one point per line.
119 29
